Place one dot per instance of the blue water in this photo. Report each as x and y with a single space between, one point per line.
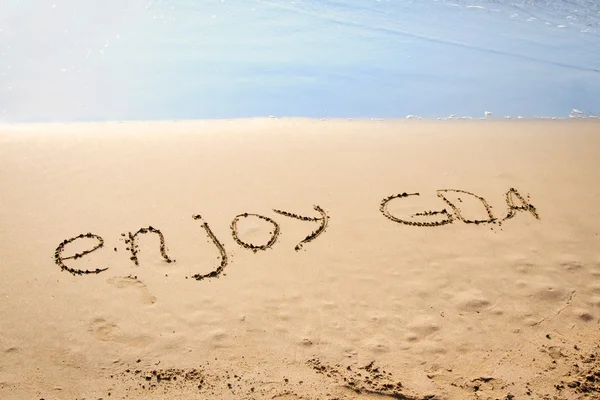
76 60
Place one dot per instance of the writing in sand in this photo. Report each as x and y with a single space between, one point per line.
514 201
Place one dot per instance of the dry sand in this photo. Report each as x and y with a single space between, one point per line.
370 308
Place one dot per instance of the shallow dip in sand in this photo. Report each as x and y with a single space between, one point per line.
315 271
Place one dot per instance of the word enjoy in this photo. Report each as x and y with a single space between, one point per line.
131 241
514 200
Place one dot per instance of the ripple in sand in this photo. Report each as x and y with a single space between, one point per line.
423 327
583 314
572 265
594 301
472 301
377 344
548 291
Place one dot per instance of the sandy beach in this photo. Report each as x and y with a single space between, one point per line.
300 259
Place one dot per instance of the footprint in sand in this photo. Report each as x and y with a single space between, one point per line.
103 330
130 282
107 331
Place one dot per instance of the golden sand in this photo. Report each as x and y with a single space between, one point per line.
300 259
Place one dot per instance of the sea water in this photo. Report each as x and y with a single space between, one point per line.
71 60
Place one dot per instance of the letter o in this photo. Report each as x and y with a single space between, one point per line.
250 246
